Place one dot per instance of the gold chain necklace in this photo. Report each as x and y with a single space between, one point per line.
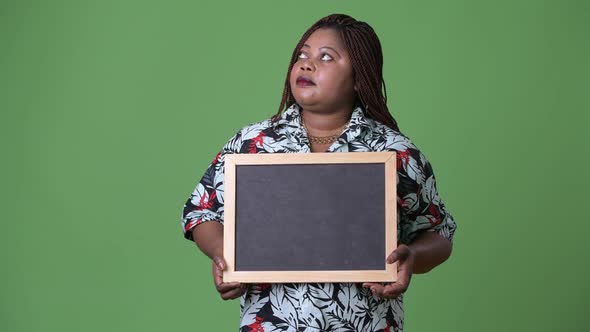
323 139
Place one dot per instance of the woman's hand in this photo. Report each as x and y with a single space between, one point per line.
405 257
230 290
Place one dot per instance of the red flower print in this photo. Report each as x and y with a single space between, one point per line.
257 325
401 201
206 205
191 224
387 328
260 287
403 156
216 158
256 141
435 217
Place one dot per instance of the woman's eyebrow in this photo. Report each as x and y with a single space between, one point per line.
323 47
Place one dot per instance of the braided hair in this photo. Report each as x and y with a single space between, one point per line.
364 49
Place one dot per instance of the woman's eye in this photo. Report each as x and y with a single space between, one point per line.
302 56
326 57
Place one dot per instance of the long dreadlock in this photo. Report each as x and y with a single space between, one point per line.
364 49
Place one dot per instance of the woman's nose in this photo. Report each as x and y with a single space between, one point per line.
307 66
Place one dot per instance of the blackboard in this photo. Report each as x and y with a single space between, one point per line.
317 217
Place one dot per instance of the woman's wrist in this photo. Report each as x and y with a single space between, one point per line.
429 250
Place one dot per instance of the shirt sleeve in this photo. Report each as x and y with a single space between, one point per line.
420 207
206 201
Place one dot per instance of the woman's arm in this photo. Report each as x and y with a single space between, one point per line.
209 238
429 249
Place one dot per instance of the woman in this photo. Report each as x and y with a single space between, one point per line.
334 101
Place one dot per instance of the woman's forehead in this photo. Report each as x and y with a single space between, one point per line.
325 37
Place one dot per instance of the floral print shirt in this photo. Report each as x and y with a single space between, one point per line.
325 306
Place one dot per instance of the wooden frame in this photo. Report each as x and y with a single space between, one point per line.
233 161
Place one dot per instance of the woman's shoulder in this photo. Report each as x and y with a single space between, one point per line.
389 139
254 129
410 159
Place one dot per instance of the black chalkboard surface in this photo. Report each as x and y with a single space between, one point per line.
317 217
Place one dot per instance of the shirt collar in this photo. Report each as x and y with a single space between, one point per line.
290 121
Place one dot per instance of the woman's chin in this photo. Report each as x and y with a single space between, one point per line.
305 101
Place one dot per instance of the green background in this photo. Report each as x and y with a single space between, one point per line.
112 110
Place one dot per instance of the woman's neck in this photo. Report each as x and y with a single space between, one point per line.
324 123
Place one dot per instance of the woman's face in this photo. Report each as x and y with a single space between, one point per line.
322 78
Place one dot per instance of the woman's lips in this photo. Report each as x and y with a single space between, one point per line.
304 81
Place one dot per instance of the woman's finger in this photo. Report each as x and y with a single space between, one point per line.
399 254
219 262
375 288
401 285
393 257
228 286
232 294
217 275
392 291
